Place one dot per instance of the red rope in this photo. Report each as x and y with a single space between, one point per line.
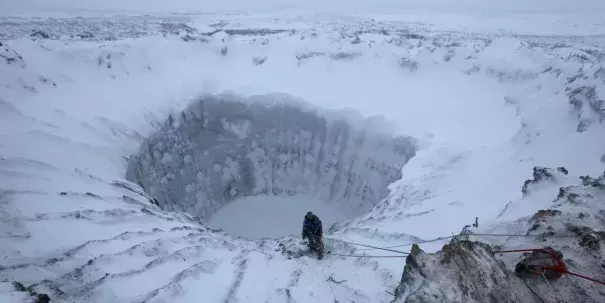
584 277
559 265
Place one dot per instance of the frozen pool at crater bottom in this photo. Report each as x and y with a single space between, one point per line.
259 217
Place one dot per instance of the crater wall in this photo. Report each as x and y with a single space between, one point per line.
224 147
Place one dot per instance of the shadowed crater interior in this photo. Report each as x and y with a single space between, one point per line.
225 147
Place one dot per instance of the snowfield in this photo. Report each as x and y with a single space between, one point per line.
481 94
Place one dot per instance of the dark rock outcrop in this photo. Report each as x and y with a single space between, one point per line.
589 238
461 272
10 56
587 104
408 64
40 34
541 216
594 182
34 296
541 175
474 272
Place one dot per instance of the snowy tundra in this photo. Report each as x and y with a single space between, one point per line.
457 103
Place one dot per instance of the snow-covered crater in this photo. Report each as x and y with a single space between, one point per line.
487 110
223 147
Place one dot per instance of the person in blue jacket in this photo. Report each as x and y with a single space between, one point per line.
312 230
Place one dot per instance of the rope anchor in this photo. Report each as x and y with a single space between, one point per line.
544 262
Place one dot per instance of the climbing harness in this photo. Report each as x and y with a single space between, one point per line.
544 262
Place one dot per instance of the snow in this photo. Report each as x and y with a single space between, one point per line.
272 216
546 17
480 86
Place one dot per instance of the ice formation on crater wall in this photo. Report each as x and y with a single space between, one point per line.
224 147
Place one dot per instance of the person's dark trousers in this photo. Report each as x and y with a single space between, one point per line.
315 244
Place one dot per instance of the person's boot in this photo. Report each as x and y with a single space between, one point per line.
320 249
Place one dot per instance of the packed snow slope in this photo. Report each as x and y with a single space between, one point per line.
78 97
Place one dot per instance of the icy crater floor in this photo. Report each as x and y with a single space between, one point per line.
274 217
73 106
